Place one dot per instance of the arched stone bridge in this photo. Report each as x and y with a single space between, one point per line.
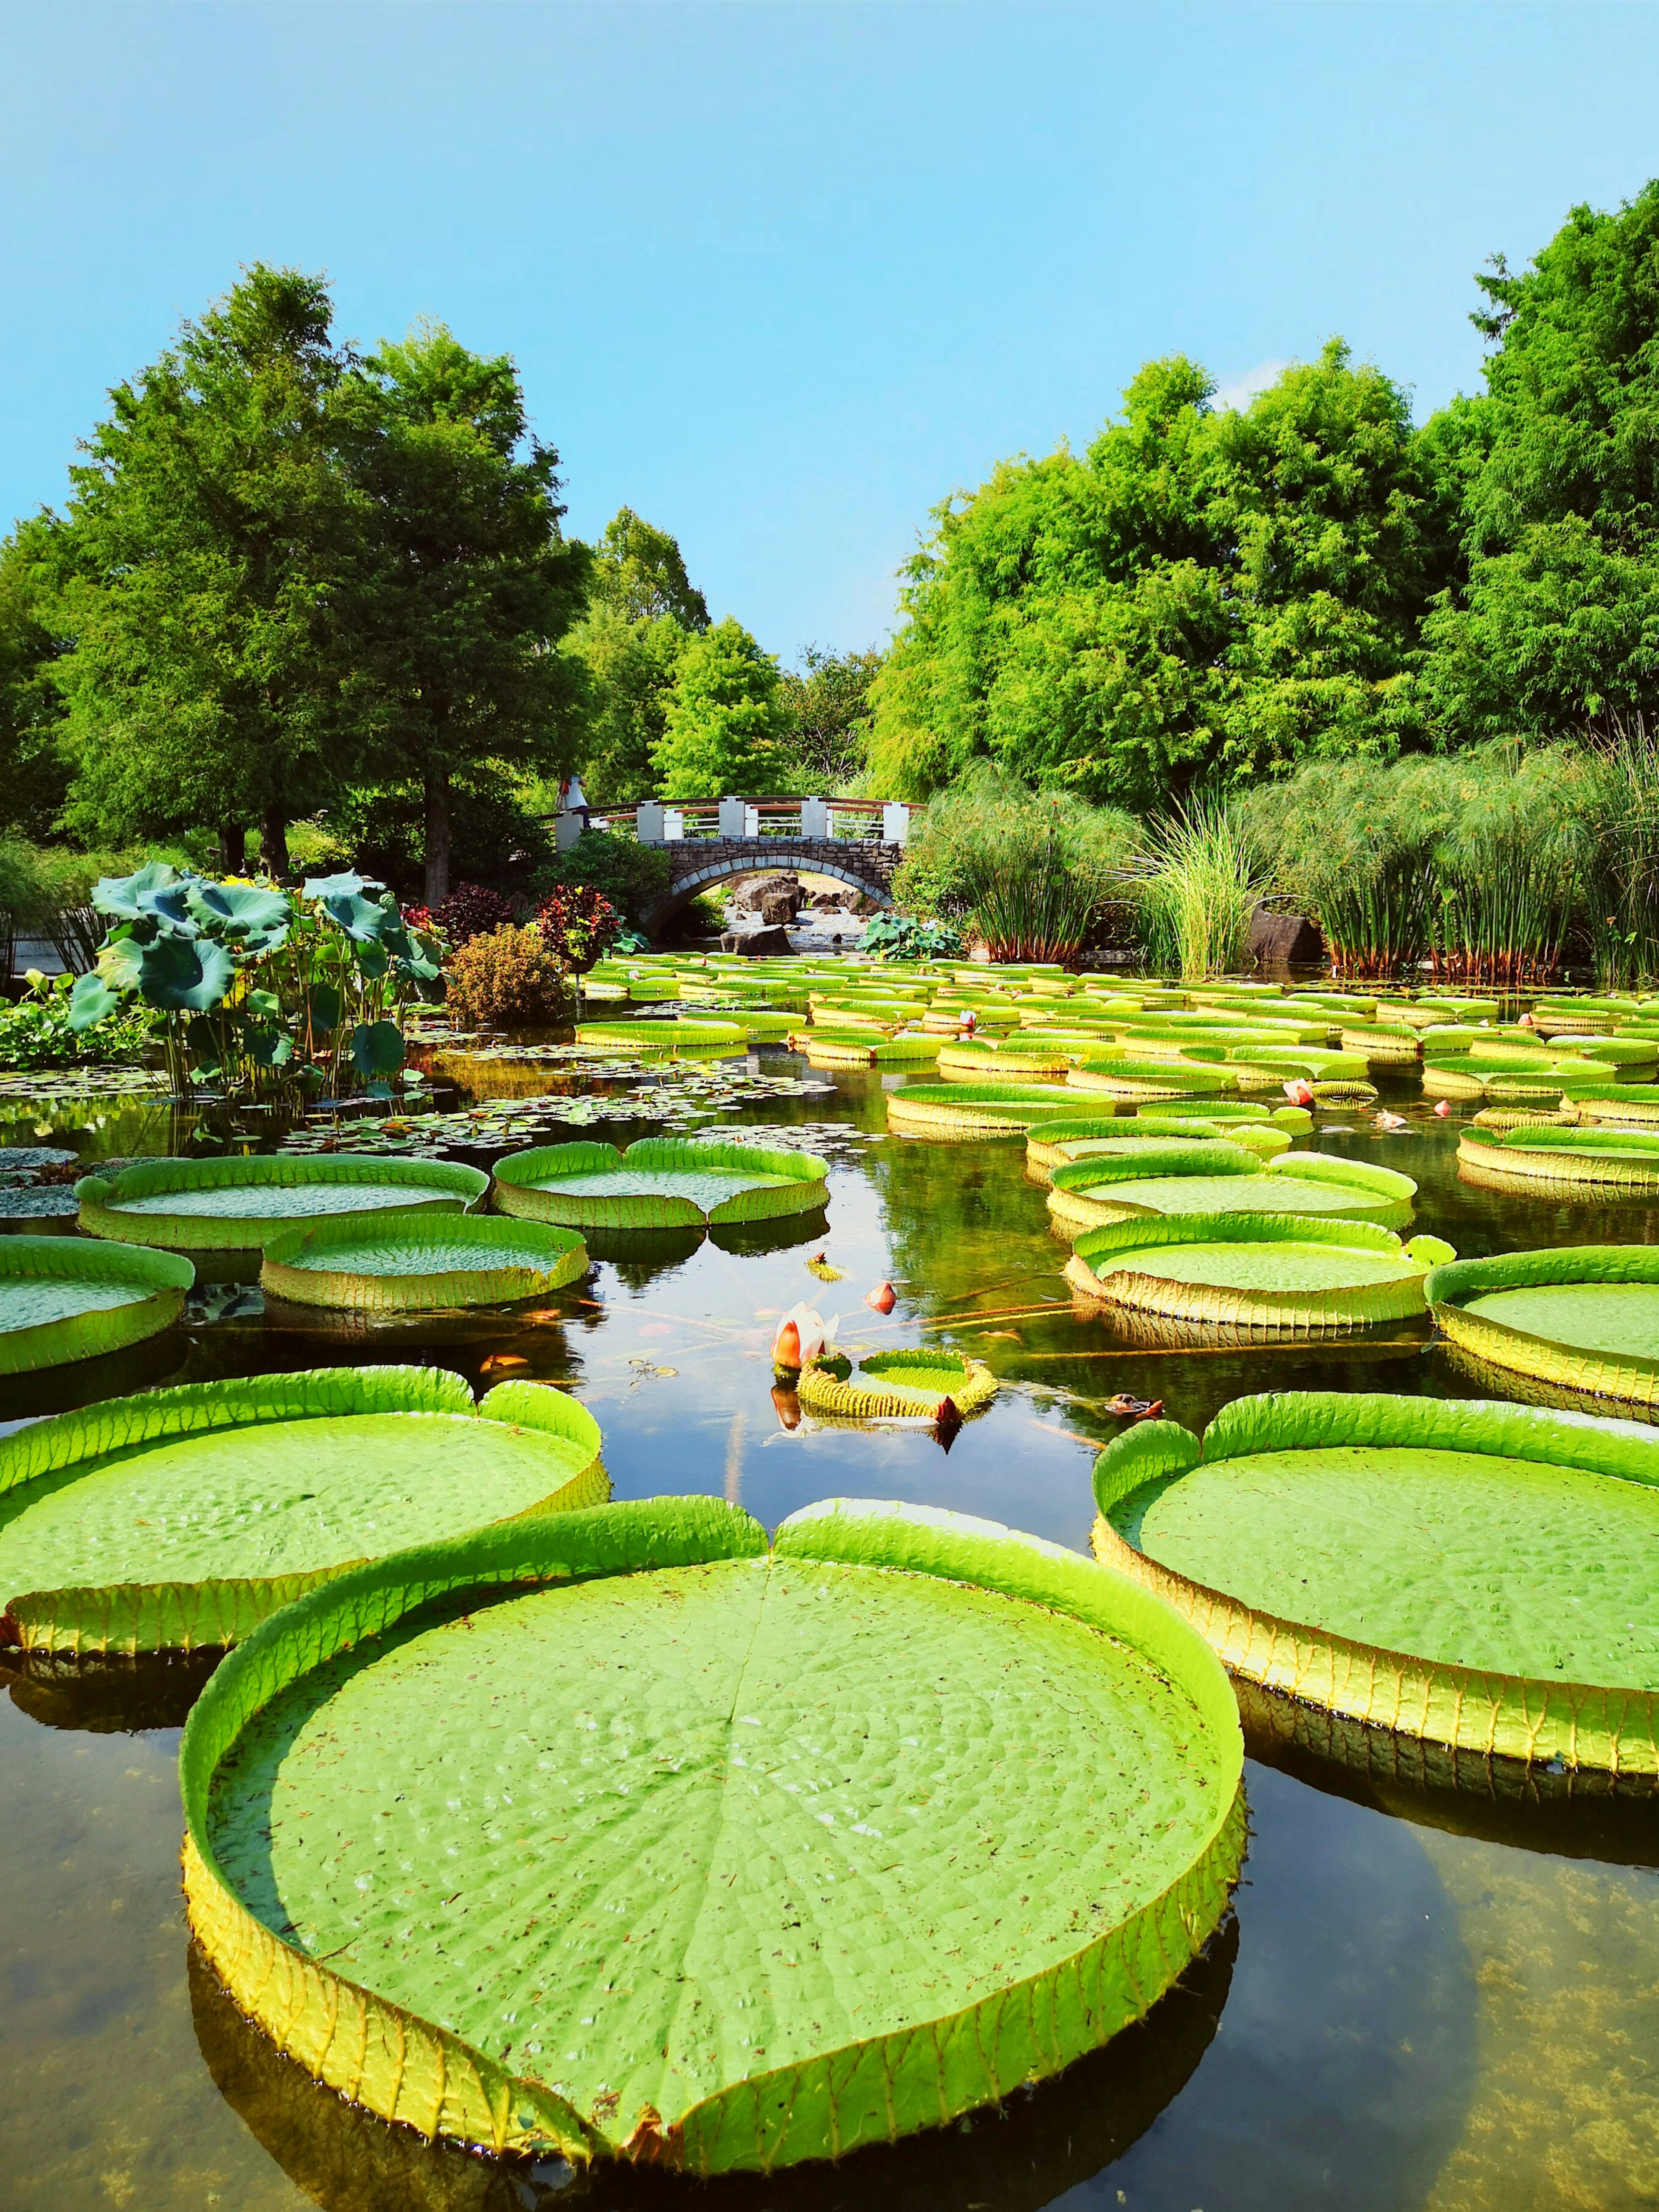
868 864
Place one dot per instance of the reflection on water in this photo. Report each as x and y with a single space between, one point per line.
1443 1982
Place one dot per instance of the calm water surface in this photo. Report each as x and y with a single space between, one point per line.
1438 1992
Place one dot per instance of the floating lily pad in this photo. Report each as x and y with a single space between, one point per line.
237 1204
661 1182
1266 1274
62 1299
959 1110
181 1517
1569 1160
1583 1318
851 1838
1024 1059
1050 1145
1222 1177
1478 1574
1137 1079
889 1385
421 1262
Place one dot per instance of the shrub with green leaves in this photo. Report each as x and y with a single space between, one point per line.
509 978
901 937
39 1032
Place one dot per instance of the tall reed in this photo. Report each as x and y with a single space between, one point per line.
1622 778
1199 884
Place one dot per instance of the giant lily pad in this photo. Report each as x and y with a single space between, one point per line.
1266 1274
890 1385
231 1204
660 1182
1222 1177
984 1109
420 1261
703 1856
1630 1105
1564 1159
1022 1059
61 1299
1049 1144
1582 1318
1151 1078
1476 1573
180 1517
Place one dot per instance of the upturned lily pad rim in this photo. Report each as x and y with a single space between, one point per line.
387 2059
443 1185
161 1278
825 1392
1590 1724
522 1181
219 1611
1631 1376
288 1270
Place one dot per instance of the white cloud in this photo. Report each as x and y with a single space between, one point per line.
1239 391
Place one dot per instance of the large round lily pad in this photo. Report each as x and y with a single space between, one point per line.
966 1110
1607 1161
1266 1274
1584 1318
421 1262
62 1299
1051 1144
237 1205
1151 1078
180 1517
660 1182
1477 1573
890 1385
702 1856
1222 1177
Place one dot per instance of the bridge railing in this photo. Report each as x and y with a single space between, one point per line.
658 823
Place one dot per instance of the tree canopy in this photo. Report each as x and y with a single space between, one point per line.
827 700
643 610
726 727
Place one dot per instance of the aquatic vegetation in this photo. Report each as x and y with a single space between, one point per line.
1216 1176
398 1262
660 1182
62 1300
982 1109
1568 1159
1067 1879
181 1518
1196 889
1584 1318
235 1203
1500 1601
928 1384
1258 1275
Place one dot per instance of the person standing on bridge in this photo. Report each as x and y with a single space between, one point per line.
573 799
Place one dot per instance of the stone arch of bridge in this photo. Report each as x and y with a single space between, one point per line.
701 874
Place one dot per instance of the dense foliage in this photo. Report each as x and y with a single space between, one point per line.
726 727
509 978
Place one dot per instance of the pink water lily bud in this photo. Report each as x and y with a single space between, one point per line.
801 1336
884 1298
1442 1107
1300 1090
971 1022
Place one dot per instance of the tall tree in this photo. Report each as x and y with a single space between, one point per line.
828 702
640 573
1204 593
200 556
643 610
1559 626
35 764
447 639
726 726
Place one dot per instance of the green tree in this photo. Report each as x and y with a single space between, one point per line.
1204 595
197 571
35 765
726 726
643 610
464 586
1558 628
828 702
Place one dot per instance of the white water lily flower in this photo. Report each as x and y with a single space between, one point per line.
802 1335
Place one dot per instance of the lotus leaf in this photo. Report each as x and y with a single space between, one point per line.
62 1300
705 1856
1223 1177
1582 1318
183 975
892 1384
1476 1573
234 1204
181 1516
660 1182
377 1048
1263 1274
420 1262
153 900
249 915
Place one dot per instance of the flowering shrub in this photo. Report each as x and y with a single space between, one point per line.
578 922
509 979
469 910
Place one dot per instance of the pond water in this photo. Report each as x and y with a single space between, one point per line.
1440 1990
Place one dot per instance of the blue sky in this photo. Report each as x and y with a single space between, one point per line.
783 276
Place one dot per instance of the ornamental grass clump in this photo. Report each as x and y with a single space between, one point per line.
1198 886
509 978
